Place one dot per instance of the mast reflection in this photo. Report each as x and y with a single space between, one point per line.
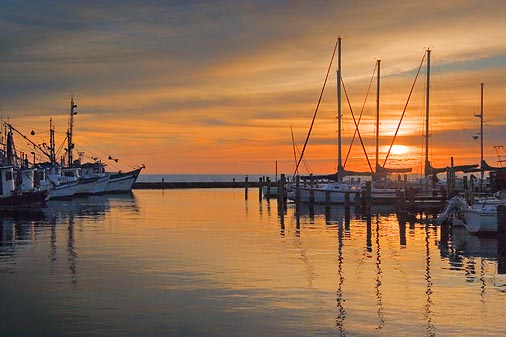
379 275
341 312
430 328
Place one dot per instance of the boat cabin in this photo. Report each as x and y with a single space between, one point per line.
7 184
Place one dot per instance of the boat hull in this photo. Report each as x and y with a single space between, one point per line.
322 196
480 220
91 186
63 191
121 182
25 199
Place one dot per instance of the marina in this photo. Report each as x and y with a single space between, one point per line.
203 262
245 168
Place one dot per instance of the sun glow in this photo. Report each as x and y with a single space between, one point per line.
399 149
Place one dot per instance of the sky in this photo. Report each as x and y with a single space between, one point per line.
218 87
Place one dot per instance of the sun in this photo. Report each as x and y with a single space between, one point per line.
399 149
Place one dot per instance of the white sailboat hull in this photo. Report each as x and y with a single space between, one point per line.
320 195
481 219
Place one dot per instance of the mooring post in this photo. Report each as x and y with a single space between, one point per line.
501 239
281 189
246 187
347 199
297 194
163 183
327 198
402 200
260 186
268 184
368 194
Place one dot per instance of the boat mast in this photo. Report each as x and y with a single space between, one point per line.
52 155
427 164
70 145
481 137
377 114
339 114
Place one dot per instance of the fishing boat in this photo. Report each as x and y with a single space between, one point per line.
93 178
11 193
120 182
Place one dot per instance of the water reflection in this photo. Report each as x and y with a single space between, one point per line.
379 295
21 228
341 312
430 328
460 249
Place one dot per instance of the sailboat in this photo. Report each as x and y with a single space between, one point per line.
480 216
337 192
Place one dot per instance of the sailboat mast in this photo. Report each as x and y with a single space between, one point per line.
339 114
427 164
377 114
481 137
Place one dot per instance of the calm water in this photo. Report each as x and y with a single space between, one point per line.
208 263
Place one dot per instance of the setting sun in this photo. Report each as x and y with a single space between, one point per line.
399 149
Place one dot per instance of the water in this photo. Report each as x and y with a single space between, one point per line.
209 263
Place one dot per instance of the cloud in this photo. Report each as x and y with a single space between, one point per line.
211 75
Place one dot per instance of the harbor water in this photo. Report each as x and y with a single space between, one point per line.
208 262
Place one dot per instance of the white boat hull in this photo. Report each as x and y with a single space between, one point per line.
90 186
480 220
62 191
121 182
319 196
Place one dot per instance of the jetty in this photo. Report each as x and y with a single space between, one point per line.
202 184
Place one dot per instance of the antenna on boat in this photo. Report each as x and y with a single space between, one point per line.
70 145
52 155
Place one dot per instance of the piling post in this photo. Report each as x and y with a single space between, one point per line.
501 239
311 196
246 188
297 188
260 187
268 187
297 194
281 189
163 183
347 199
327 199
368 194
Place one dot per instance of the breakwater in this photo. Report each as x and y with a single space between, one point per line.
204 184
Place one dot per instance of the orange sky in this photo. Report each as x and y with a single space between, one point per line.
201 88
